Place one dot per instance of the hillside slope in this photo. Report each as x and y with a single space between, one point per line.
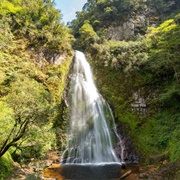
133 47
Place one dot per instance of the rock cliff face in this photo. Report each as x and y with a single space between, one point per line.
130 29
136 23
55 58
51 57
133 27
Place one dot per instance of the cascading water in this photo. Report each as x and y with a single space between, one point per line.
89 139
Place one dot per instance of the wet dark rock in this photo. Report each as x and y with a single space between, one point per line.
129 152
123 166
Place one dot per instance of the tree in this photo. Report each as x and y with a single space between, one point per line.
87 34
39 22
164 53
34 109
6 123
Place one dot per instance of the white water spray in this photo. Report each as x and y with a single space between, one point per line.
89 139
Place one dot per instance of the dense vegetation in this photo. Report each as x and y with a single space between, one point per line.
145 68
30 86
102 14
148 69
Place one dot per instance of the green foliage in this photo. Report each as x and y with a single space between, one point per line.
56 83
152 66
56 79
6 36
8 7
125 55
102 14
30 87
165 49
33 96
38 21
170 98
6 121
164 66
6 163
35 99
117 87
35 143
87 35
174 145
30 105
166 133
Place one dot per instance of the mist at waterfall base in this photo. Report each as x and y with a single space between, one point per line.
90 129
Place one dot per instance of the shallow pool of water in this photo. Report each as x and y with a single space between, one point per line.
111 171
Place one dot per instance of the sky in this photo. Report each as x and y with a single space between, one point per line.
69 8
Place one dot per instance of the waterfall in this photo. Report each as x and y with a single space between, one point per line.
90 127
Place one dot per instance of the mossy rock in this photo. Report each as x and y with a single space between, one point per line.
6 166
